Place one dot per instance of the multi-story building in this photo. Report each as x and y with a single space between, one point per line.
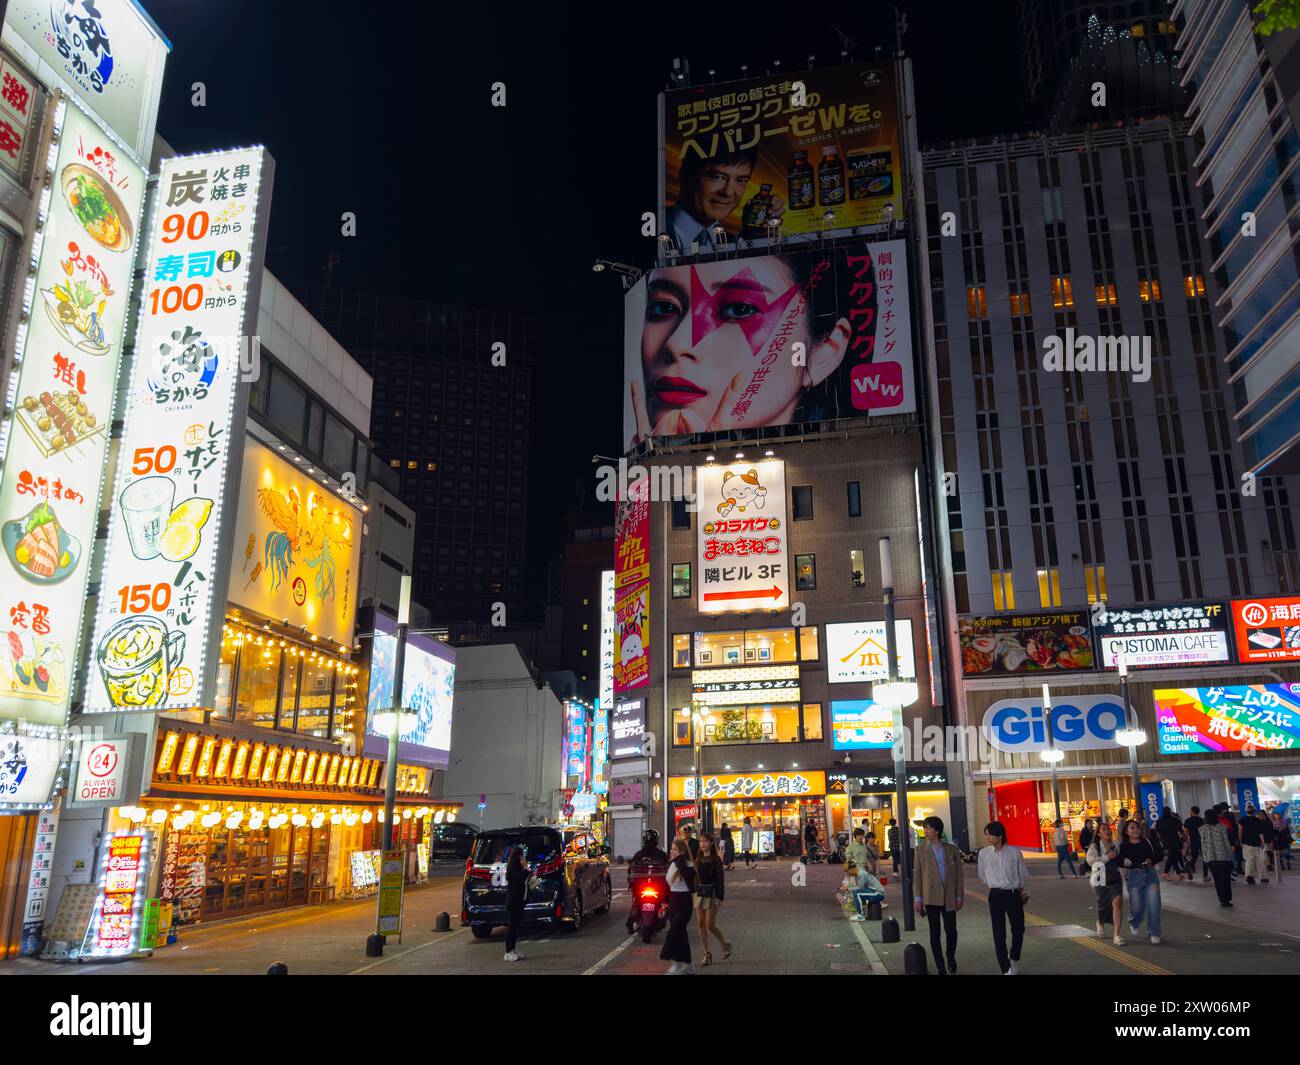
1071 492
456 425
1244 112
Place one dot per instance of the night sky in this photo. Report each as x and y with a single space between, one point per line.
389 116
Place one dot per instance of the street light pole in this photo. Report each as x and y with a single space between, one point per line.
1130 721
1052 755
900 750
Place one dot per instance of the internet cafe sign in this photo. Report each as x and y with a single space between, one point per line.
1178 634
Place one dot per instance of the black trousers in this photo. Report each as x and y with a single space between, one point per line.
512 928
748 856
677 944
1173 860
1193 856
949 919
1007 905
1222 873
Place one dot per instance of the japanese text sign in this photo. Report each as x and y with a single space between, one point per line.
632 588
1267 630
1159 635
749 785
742 537
1232 717
170 533
63 399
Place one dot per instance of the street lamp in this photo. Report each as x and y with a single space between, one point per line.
393 722
1052 755
697 723
1131 735
897 694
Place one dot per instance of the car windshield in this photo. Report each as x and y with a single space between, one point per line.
542 845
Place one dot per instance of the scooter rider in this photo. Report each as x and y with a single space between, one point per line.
649 854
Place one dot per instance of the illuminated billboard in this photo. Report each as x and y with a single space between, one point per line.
1237 718
791 146
162 597
428 690
55 443
742 537
804 336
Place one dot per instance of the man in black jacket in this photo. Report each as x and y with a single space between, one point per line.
892 836
1256 834
1193 826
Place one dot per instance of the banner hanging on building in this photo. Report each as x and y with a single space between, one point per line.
741 539
805 336
162 597
55 444
742 153
995 644
632 588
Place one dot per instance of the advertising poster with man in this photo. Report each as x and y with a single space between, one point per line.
745 154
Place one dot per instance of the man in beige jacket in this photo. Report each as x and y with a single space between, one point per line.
938 891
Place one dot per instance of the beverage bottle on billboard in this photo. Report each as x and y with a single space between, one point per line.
871 174
754 216
799 182
830 177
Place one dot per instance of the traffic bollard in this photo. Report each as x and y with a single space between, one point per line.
277 968
914 960
889 930
873 911
374 945
443 923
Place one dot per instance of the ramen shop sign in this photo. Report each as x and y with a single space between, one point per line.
171 512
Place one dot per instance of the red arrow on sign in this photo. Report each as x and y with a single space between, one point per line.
767 593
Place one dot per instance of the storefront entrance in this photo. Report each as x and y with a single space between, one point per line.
777 823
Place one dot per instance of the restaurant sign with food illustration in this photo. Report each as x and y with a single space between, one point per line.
53 469
1046 641
170 537
297 548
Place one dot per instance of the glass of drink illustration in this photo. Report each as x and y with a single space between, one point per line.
136 658
146 503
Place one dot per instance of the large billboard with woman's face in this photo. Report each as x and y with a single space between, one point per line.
804 336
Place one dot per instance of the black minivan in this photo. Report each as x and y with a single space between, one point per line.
573 870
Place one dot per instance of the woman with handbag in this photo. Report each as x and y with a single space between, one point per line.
1103 857
709 888
1139 856
681 887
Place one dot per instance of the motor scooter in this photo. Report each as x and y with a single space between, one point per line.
648 881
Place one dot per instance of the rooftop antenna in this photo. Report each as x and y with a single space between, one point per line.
900 30
847 41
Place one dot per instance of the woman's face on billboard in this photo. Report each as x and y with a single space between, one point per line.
712 351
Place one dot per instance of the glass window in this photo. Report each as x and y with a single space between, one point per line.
1094 580
681 650
1149 291
1020 303
682 727
1004 596
339 440
1049 587
259 684
314 700
764 646
977 305
1062 292
808 643
801 495
749 724
1106 295
855 499
315 423
805 572
857 568
681 516
225 677
681 580
287 406
289 690
812 721
719 648
257 391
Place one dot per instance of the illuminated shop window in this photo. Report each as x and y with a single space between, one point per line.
1004 596
1094 581
1149 291
1020 304
1106 296
682 650
1049 587
1062 292
977 304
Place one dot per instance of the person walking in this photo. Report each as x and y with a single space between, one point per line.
747 844
809 840
1251 829
517 877
1138 857
1282 840
692 844
1086 834
1229 821
938 891
1192 828
1002 869
891 837
1103 857
1061 841
1170 830
710 886
681 890
727 848
1216 850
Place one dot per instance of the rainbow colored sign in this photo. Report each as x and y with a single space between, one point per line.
1234 717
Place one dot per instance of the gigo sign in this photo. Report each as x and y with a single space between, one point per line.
105 773
1084 723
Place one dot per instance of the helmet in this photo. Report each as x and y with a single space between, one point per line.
649 838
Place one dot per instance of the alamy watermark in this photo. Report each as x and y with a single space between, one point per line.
1106 354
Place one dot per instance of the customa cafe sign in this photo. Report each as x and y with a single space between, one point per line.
1233 717
741 542
747 785
1163 635
298 547
64 381
856 651
105 773
158 622
1079 723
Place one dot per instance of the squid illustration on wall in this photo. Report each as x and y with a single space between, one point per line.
312 528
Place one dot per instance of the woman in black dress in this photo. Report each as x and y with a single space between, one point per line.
728 848
517 877
681 892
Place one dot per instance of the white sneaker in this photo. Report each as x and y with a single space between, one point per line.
687 970
674 969
1155 941
512 956
857 917
1013 971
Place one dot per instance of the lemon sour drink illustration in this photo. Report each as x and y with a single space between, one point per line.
136 657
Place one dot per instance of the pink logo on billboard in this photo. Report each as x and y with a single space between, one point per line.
876 384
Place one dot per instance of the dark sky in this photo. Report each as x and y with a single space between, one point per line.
389 115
